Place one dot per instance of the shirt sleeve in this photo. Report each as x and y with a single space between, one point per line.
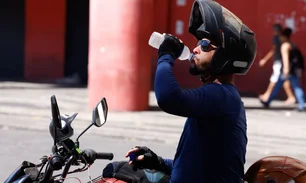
182 102
275 40
169 163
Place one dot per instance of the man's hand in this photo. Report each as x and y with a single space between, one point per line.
285 73
146 158
262 62
171 45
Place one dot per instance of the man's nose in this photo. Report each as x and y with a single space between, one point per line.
197 50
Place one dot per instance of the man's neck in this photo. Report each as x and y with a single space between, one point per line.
221 79
225 79
286 40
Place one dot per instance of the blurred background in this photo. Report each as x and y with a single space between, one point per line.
49 40
83 50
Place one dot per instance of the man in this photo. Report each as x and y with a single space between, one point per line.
212 147
277 65
290 71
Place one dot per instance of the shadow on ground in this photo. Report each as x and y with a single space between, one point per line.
44 84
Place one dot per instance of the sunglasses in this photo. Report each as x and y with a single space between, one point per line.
206 45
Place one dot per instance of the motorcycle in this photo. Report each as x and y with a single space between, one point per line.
66 153
276 169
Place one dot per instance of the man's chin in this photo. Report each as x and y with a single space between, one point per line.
194 70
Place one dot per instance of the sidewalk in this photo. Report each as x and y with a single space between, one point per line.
27 106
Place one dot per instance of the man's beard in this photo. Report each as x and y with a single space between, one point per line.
193 70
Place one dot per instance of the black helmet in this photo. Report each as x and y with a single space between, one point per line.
236 42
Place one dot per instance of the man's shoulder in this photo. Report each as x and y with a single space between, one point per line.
221 91
286 46
218 87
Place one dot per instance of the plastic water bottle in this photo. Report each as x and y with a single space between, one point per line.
156 40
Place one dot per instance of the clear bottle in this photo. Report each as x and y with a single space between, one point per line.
156 40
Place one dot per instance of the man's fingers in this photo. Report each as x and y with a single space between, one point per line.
139 158
131 151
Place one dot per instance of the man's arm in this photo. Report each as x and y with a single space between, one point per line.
270 53
263 61
285 48
169 163
173 100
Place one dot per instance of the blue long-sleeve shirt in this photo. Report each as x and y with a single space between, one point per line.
212 147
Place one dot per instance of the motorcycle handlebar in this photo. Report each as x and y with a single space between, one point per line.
56 162
102 155
91 155
67 167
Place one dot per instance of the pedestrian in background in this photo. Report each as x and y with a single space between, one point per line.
277 65
293 65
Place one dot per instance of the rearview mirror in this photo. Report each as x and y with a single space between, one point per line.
99 114
56 117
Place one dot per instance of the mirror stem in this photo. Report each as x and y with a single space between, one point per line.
77 140
54 146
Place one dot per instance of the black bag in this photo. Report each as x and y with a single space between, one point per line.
296 59
123 171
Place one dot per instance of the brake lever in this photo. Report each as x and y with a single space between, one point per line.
43 160
67 166
71 160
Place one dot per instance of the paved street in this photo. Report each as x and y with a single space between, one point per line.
25 113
